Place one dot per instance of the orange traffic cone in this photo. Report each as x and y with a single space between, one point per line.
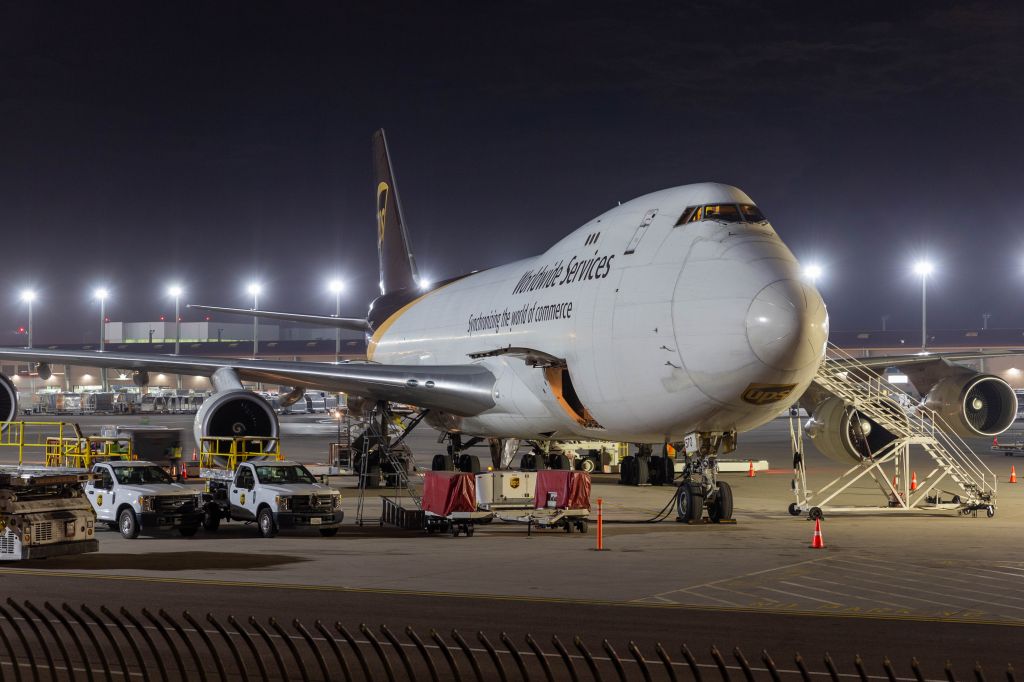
750 471
1013 474
817 542
913 481
184 472
195 455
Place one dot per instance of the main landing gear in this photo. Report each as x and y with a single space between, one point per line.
698 487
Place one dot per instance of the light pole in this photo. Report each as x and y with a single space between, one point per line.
924 268
336 286
885 319
255 288
101 295
28 296
813 272
176 291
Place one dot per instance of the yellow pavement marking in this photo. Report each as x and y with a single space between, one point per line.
207 582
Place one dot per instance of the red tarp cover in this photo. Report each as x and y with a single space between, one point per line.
572 488
445 492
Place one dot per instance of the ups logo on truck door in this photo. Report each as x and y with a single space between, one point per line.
765 394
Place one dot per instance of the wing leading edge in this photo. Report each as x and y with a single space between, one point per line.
352 323
463 390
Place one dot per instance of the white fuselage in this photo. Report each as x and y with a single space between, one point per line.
664 329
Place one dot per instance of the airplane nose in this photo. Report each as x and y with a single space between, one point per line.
787 325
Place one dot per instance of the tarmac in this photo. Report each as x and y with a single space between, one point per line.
938 586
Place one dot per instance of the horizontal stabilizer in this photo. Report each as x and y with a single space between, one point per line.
352 323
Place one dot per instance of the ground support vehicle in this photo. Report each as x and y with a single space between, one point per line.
274 494
136 497
44 513
561 500
1012 448
449 503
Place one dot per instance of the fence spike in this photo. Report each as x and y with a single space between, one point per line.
1009 673
948 669
446 652
291 648
670 668
516 656
74 638
690 661
239 663
56 638
916 667
381 654
799 660
399 651
495 659
133 621
182 673
14 659
311 643
742 660
613 656
773 670
338 656
979 673
570 666
411 634
201 631
831 667
183 636
469 654
858 663
542 659
131 642
39 635
262 632
247 638
641 661
110 638
355 647
716 656
591 663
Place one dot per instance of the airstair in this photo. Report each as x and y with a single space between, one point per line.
958 479
383 457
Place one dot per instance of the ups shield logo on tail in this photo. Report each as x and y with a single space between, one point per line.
382 209
765 394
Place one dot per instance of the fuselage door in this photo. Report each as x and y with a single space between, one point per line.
641 230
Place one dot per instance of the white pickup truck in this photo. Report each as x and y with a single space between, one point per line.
275 494
135 497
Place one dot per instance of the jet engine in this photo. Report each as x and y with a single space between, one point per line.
8 400
232 411
843 434
973 404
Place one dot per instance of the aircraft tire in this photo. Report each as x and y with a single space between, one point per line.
721 509
689 503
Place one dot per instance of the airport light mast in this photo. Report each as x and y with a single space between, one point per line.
28 296
255 288
101 295
176 291
813 272
336 286
924 268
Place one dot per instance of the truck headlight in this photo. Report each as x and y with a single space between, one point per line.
146 502
336 501
283 503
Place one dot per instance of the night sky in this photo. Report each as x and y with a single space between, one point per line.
143 142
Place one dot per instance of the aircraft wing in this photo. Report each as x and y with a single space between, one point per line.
463 390
903 361
353 323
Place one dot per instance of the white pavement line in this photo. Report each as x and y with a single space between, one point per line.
964 569
1018 580
949 579
945 607
745 594
708 596
800 596
750 575
932 591
856 597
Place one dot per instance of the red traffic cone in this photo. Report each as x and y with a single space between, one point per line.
995 441
913 481
750 471
1013 474
195 455
817 542
184 471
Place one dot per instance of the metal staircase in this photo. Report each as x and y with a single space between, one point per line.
967 484
380 460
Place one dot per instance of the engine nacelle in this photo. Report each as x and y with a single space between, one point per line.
234 413
842 434
140 378
8 401
974 404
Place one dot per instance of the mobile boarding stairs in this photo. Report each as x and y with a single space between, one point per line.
958 480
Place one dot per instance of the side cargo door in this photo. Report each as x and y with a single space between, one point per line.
241 496
100 492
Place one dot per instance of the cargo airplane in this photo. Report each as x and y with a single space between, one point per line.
677 317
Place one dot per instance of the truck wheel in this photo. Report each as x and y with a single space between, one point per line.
211 519
328 532
188 531
128 524
721 509
265 520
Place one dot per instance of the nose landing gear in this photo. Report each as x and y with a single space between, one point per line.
699 487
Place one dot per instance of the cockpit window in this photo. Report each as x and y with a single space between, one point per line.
752 214
728 213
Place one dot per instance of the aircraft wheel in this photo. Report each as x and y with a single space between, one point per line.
689 503
721 509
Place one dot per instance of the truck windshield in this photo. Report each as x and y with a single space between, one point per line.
279 474
141 475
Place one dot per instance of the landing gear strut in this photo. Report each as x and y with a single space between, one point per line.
699 486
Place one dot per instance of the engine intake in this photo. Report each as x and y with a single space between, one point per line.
841 433
232 414
8 401
974 404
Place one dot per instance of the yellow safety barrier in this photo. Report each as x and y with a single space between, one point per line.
28 437
82 453
228 451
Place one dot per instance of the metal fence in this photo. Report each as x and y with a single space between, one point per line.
82 643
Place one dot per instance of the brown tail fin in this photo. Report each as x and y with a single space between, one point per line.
397 265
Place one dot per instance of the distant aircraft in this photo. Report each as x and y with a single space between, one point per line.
677 317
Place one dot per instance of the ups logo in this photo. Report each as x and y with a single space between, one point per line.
514 483
765 394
